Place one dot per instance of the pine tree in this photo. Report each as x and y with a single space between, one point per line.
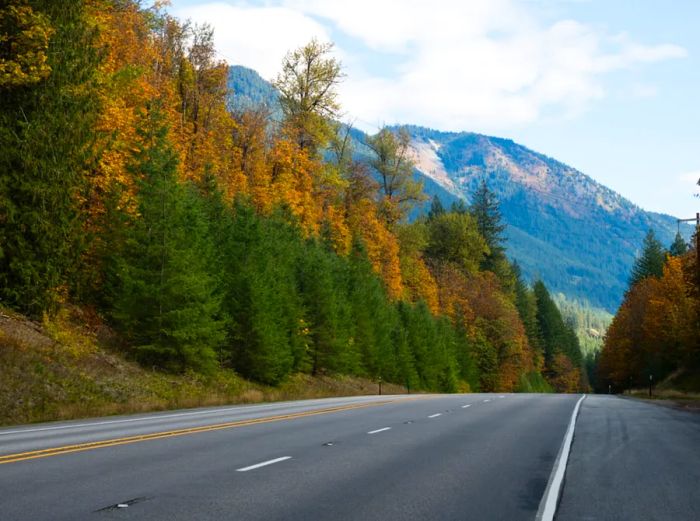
432 347
679 246
269 335
459 206
436 208
323 282
557 337
375 322
487 214
526 303
165 301
46 136
651 262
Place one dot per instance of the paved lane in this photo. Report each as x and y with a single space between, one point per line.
632 460
435 457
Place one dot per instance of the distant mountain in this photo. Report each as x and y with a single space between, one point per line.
250 90
578 236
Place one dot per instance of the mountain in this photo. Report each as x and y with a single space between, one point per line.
578 236
250 90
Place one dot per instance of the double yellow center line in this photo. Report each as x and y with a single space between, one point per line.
55 451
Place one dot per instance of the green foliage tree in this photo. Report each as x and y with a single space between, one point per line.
375 321
269 333
459 206
526 304
165 301
46 137
557 337
454 238
308 96
651 262
431 342
394 167
679 246
323 279
487 214
436 208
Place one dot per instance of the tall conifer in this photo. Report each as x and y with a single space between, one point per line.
651 262
165 301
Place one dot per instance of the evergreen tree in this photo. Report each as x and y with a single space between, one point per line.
459 206
679 246
487 214
269 335
651 262
526 303
454 238
557 337
323 283
46 136
431 346
375 322
436 208
165 301
220 222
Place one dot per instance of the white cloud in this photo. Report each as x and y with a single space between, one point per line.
482 64
257 37
642 91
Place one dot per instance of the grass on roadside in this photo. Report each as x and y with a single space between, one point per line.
71 366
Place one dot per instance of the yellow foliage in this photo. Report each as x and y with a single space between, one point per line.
419 283
382 246
25 34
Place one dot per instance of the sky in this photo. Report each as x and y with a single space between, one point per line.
609 87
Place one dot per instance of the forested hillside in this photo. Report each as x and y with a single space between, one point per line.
213 237
655 335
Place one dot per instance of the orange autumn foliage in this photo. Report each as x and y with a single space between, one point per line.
565 377
655 330
484 311
503 328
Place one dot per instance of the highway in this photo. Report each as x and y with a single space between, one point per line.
474 456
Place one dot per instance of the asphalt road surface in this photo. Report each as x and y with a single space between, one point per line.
475 456
632 460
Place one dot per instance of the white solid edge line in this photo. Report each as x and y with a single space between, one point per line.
465 406
435 415
263 464
548 504
379 430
